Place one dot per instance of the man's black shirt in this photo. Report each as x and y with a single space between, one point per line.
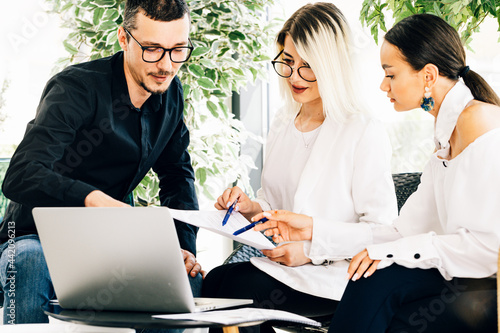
88 136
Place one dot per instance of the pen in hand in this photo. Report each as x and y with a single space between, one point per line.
229 211
250 226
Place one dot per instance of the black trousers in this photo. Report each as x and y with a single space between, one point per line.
399 299
243 280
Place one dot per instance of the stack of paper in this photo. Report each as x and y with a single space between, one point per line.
240 316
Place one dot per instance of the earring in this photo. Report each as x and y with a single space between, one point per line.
427 102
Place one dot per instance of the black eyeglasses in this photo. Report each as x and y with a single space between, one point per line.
285 70
156 53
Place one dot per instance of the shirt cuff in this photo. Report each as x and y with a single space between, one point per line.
76 193
413 251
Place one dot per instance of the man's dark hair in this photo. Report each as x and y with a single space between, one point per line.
158 10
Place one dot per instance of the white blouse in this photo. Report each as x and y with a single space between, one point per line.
290 160
452 221
345 185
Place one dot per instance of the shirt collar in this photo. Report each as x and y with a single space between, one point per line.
451 108
120 93
155 102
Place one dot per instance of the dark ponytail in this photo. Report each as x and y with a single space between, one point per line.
427 39
480 89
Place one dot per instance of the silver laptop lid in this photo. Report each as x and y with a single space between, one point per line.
124 259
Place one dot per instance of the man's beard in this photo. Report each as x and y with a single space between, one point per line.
159 91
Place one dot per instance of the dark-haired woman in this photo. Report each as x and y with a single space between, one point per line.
442 254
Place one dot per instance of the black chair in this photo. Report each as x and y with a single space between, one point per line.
404 185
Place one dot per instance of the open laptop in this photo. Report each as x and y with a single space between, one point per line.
122 259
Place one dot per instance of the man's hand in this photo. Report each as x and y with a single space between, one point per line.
192 267
291 254
100 199
361 265
285 226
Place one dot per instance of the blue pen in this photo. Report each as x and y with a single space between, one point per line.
250 226
229 211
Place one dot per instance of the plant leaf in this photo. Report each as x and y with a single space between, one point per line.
112 38
98 13
200 51
108 25
104 3
212 107
208 63
238 71
206 84
196 70
70 48
186 90
236 35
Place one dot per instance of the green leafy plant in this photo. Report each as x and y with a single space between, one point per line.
464 15
232 40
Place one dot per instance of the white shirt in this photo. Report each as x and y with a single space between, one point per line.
452 221
345 185
288 162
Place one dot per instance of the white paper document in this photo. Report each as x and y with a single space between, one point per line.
243 315
212 220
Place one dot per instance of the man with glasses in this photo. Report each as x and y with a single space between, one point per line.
99 128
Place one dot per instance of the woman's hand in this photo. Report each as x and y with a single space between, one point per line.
285 226
361 265
291 254
245 206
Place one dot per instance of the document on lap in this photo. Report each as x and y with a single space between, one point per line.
211 220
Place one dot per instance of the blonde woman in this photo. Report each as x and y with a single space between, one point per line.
326 160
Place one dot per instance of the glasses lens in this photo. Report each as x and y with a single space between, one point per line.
177 54
282 69
307 74
152 54
180 54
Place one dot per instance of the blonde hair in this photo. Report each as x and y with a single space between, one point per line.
321 36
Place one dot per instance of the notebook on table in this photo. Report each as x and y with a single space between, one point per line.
120 259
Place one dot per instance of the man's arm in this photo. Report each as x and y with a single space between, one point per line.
34 177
